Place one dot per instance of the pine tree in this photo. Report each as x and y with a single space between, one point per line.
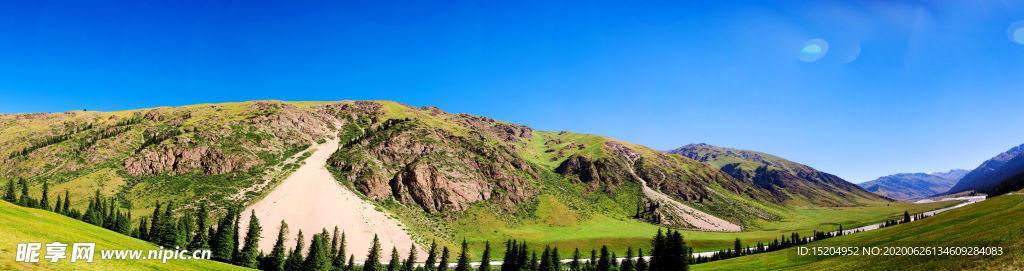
409 263
222 244
275 261
373 256
737 248
294 261
641 263
67 203
318 258
593 259
56 207
154 224
44 201
545 259
463 264
339 256
236 215
201 240
906 217
9 196
351 263
431 262
395 263
25 199
533 261
443 265
485 260
575 264
556 264
605 263
508 261
627 264
334 244
250 247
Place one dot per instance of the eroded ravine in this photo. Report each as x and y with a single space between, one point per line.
311 199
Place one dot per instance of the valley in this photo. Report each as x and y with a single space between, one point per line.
418 175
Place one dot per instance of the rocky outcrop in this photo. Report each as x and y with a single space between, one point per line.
418 164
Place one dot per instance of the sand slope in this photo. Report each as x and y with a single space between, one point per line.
310 199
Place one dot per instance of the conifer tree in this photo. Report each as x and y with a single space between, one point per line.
556 264
545 259
575 264
294 261
522 257
627 264
154 223
58 205
463 264
533 261
351 263
236 215
318 258
409 264
485 260
373 256
25 199
250 248
443 265
67 203
605 263
641 263
9 195
201 240
334 244
339 257
44 201
906 217
275 261
222 244
395 263
431 262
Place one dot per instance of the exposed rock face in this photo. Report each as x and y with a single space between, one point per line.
176 159
431 167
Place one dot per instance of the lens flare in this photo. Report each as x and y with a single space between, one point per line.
1016 32
814 50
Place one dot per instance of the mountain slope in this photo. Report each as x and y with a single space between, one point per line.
992 172
441 174
26 225
904 186
786 180
994 222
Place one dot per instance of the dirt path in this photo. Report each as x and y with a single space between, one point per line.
311 200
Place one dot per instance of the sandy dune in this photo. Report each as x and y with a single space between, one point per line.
311 200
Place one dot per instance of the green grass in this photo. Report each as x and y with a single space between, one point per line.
25 225
993 222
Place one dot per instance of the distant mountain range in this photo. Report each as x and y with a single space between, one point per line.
904 186
1003 173
786 180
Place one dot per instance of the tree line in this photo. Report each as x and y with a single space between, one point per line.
327 250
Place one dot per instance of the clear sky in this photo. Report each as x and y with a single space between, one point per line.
860 89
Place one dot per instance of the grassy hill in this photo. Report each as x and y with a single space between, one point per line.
447 176
26 225
993 222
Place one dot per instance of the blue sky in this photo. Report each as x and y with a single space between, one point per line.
895 86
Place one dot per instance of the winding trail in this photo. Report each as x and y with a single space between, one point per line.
311 200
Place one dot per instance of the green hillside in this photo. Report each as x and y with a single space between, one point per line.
991 223
447 176
26 225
